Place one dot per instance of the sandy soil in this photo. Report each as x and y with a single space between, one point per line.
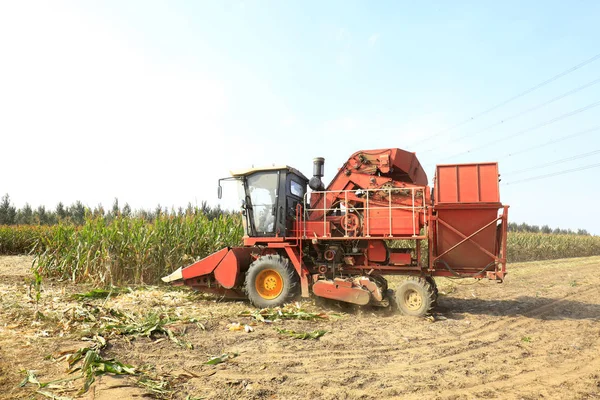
536 336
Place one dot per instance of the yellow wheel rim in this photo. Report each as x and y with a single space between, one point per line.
269 284
413 300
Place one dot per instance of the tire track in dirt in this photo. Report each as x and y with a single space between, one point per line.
535 381
479 352
479 337
358 367
347 373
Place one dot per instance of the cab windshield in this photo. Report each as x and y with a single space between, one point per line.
262 190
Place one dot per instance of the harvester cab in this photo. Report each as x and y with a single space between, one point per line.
269 199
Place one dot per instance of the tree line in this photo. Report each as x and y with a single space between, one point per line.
77 212
523 227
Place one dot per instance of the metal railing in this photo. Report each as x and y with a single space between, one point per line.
341 200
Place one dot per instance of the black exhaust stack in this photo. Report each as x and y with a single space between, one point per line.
315 182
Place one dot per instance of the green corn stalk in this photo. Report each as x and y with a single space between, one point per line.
131 250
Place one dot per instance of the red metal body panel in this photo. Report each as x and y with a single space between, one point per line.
467 183
372 287
469 234
377 251
397 258
204 266
390 222
318 228
342 290
466 221
253 241
295 256
228 270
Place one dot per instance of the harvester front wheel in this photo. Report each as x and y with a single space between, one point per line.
271 281
415 297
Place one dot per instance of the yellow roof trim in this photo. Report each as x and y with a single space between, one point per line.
248 171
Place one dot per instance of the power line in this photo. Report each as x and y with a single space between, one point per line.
505 102
554 174
587 85
533 128
578 156
553 141
560 139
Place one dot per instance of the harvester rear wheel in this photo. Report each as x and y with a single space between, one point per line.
271 281
434 287
415 297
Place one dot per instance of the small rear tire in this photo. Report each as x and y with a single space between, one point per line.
390 295
415 297
434 287
271 281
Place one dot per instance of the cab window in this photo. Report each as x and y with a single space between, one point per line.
296 189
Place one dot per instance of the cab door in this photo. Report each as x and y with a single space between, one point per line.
295 190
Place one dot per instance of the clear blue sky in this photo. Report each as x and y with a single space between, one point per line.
151 102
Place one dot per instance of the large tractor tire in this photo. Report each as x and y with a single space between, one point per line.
271 281
415 297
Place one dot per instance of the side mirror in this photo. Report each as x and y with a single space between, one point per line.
219 191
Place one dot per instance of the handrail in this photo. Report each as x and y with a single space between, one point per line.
342 198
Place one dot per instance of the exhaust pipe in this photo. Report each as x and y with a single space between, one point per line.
315 182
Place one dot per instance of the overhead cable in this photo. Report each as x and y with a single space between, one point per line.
576 157
570 92
533 128
560 139
554 174
503 103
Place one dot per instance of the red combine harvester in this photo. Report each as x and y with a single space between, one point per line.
341 240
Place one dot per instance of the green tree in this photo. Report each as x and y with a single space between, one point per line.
77 213
61 211
8 213
25 215
99 211
40 216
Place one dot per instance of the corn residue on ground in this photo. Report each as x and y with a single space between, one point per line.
537 335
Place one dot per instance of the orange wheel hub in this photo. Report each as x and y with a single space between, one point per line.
269 284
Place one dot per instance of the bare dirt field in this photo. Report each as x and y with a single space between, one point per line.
536 336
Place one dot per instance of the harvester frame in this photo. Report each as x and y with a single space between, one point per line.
341 240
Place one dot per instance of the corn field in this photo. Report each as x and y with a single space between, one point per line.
132 250
15 240
526 246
